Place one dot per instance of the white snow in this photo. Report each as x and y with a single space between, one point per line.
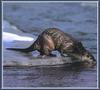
9 37
11 33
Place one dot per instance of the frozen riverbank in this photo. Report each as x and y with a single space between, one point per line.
13 58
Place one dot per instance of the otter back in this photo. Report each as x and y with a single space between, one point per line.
52 39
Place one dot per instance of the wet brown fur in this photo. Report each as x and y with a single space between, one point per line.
54 39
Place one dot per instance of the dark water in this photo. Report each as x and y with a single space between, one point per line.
49 77
78 19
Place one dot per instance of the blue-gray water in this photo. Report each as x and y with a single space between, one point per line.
78 19
49 77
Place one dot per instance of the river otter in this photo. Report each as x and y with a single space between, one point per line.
54 39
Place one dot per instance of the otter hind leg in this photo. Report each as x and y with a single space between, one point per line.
47 45
44 51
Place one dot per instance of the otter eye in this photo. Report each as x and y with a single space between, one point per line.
88 55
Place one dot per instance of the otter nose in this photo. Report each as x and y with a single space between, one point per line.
92 62
93 59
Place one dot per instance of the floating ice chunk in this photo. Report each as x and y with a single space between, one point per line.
9 37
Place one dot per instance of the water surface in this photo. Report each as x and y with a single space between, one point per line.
77 19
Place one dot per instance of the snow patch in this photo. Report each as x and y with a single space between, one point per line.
9 37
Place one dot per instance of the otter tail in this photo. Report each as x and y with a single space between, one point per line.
19 49
26 50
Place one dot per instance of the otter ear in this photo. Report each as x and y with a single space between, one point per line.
80 46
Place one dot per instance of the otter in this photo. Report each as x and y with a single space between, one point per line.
54 39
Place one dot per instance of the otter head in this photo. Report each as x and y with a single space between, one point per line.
88 58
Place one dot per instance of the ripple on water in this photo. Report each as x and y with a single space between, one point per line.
82 33
46 76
